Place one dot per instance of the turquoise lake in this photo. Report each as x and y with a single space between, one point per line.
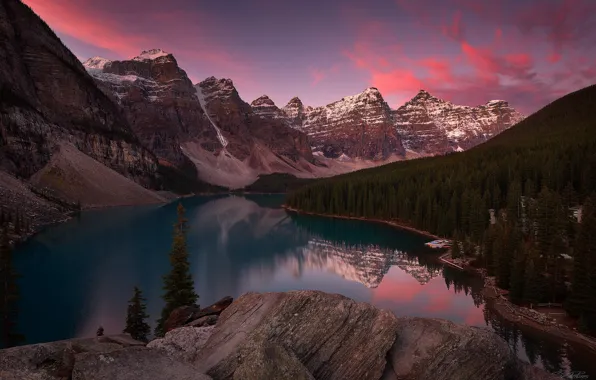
80 274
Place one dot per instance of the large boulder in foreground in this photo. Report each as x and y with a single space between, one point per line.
333 336
442 350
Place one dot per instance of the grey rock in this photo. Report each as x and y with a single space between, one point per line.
132 363
271 361
208 320
53 360
183 343
442 350
333 336
124 340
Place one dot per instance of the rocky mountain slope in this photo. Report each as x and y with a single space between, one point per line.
303 335
207 130
159 102
49 100
359 126
48 97
431 126
364 127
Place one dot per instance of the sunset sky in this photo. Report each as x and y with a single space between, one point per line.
528 52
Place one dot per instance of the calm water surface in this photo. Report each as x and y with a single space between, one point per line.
80 274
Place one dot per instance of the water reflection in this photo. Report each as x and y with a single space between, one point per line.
80 274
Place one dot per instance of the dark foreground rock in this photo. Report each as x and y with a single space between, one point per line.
185 315
111 357
333 336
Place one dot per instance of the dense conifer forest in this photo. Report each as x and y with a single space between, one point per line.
523 203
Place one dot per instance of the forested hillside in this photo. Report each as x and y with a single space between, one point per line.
533 176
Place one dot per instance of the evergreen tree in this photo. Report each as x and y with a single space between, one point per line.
456 249
517 278
9 294
136 316
178 284
583 287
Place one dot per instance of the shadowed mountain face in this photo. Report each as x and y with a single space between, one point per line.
48 97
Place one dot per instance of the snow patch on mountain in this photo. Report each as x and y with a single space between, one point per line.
201 98
96 63
150 55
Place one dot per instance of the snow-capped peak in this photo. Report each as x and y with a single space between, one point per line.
262 100
150 55
496 102
96 63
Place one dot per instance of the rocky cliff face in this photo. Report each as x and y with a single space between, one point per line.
47 97
249 144
363 126
431 126
359 126
159 102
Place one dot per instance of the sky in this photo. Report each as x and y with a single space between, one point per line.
527 52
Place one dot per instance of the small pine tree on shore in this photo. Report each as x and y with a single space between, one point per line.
136 316
178 284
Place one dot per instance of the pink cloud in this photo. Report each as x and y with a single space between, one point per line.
501 62
177 31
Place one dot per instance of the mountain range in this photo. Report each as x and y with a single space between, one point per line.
231 142
109 132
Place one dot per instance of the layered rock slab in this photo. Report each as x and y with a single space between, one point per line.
333 336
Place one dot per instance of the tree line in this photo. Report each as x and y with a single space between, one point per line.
514 202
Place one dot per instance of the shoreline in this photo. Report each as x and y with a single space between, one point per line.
514 314
497 303
380 221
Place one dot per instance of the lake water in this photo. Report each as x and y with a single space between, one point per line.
80 274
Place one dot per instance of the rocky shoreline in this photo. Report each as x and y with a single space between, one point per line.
523 317
284 336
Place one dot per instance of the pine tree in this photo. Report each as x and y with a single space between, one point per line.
517 278
178 284
456 251
136 316
583 286
9 294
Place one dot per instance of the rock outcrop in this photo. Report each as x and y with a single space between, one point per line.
332 336
431 126
442 350
184 315
102 358
294 335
